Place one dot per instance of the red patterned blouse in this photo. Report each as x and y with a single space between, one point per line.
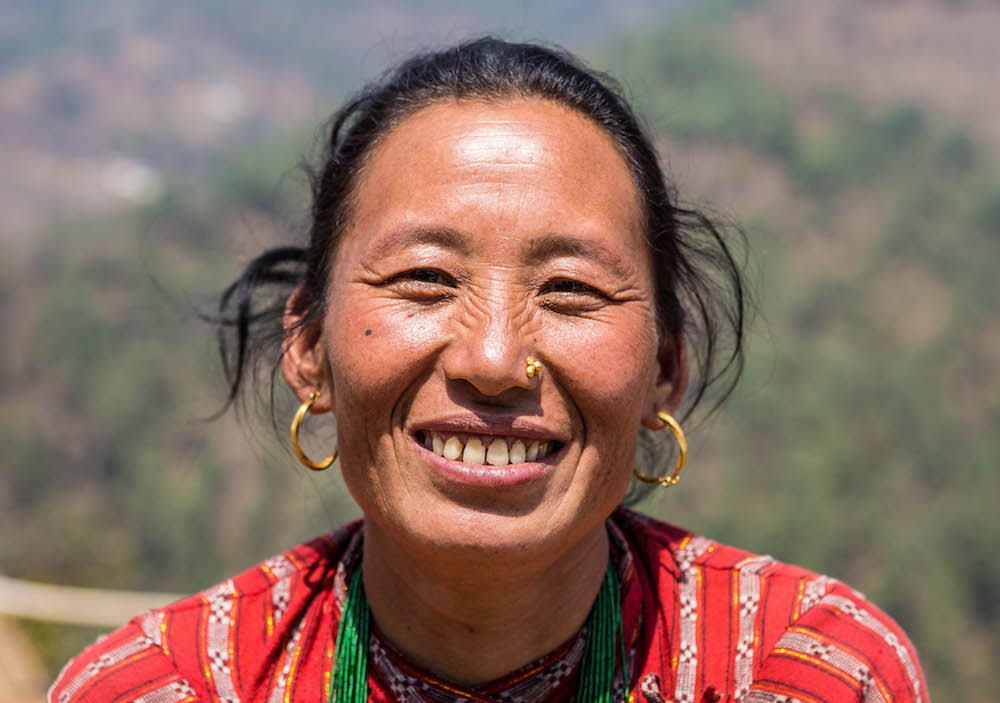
703 623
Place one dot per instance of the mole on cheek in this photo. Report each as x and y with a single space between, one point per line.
368 333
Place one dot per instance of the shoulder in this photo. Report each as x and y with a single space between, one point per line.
128 664
768 631
210 644
841 642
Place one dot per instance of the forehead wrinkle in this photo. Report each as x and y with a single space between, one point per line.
555 245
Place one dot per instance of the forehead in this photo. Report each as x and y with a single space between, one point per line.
526 151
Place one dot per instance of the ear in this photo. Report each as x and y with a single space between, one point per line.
303 358
671 381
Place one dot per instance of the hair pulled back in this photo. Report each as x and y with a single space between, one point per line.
699 288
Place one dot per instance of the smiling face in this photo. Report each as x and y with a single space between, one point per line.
482 234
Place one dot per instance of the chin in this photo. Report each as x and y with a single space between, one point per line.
491 533
440 510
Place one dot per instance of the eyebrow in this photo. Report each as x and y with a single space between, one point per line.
552 246
549 246
444 237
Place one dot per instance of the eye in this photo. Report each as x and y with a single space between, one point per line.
571 286
429 276
570 296
426 285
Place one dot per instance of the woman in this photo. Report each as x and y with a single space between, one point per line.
499 291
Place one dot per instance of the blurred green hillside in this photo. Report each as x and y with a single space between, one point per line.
858 445
860 442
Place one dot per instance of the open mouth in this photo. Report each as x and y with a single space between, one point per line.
488 450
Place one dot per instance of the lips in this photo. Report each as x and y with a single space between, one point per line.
491 450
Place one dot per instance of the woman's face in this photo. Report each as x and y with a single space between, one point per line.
483 234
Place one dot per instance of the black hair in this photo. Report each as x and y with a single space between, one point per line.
700 290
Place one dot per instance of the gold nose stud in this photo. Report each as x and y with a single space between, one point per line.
534 366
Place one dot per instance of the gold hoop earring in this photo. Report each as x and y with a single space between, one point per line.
534 367
299 414
673 478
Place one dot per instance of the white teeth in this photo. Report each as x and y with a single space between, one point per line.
501 452
475 452
497 453
516 453
532 452
452 448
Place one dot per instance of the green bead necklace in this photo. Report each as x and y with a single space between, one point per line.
604 628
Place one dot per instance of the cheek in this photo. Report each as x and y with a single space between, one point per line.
376 350
605 374
611 366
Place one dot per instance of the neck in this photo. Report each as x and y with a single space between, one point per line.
444 614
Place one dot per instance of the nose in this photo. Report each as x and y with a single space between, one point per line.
488 352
